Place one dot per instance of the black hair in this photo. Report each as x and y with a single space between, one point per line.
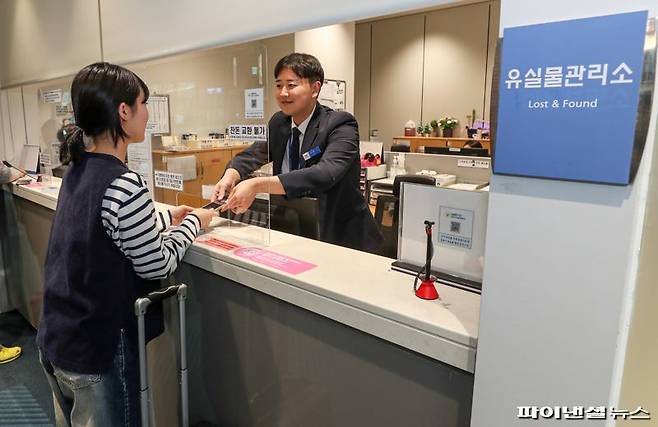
304 65
97 91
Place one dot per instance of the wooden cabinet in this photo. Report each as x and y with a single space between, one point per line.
210 166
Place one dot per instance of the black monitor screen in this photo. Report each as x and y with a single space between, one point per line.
455 151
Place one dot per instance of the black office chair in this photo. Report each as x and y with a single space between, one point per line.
387 215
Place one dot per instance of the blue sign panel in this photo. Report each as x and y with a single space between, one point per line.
568 98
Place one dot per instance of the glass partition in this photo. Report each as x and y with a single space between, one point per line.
206 108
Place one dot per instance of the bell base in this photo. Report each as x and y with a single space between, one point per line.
427 290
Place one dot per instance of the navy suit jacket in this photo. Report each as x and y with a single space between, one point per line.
332 175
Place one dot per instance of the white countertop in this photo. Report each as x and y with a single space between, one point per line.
351 287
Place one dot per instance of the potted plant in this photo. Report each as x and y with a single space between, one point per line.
424 129
447 124
435 127
427 130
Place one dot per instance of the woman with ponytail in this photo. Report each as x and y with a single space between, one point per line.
105 251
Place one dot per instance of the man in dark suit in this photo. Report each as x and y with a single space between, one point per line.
315 152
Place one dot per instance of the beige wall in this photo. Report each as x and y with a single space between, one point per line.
205 93
455 63
362 70
425 66
494 25
45 39
13 122
204 96
396 75
41 121
154 28
334 47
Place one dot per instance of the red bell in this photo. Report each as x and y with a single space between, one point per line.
427 290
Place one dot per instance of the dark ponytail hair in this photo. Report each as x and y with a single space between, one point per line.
96 92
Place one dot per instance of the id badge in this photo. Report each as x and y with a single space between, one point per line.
313 152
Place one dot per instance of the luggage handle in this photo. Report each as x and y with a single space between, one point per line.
141 306
162 294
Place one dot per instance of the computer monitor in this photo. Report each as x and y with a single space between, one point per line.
456 151
294 216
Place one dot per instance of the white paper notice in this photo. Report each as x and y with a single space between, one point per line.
51 96
140 160
44 159
62 110
332 94
455 227
168 180
254 105
206 191
248 132
158 106
54 152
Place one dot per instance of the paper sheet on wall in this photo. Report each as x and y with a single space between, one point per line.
45 159
158 106
184 165
52 96
140 161
254 105
54 153
332 94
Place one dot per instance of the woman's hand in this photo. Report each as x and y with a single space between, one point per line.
179 213
205 216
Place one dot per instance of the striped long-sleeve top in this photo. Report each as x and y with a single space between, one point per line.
129 218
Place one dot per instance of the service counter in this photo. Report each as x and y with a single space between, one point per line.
298 332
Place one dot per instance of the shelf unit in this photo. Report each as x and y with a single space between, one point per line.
431 141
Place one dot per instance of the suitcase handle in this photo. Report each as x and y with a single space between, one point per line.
141 306
162 294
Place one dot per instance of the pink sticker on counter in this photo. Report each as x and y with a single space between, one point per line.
274 260
217 243
33 185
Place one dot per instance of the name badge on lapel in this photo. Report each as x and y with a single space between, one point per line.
313 152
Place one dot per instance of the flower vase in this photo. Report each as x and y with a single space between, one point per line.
447 132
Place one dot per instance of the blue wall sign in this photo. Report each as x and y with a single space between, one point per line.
568 98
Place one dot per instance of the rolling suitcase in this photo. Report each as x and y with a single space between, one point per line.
141 306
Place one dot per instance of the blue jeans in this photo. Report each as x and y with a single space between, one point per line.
97 400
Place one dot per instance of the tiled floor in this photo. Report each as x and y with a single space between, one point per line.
25 398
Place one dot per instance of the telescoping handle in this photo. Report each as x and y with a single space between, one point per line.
162 294
141 306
